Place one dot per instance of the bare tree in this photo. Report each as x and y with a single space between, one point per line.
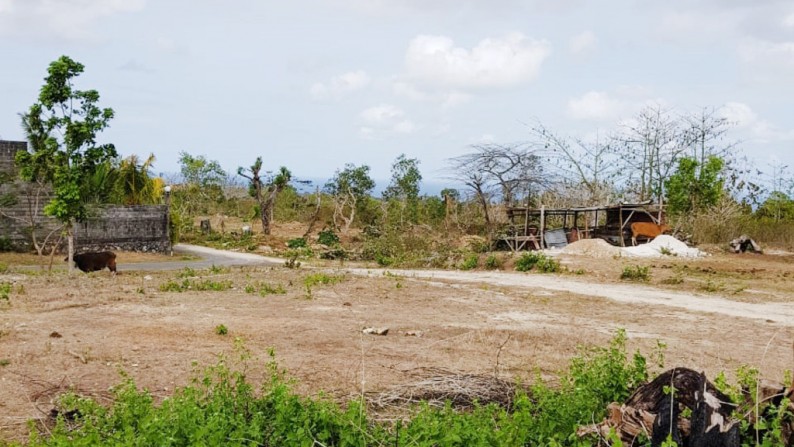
265 191
588 165
467 170
651 145
514 169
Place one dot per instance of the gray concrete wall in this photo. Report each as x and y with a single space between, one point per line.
134 228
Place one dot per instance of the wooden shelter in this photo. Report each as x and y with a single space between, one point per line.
538 228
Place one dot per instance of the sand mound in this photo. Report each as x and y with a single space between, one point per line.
595 248
663 245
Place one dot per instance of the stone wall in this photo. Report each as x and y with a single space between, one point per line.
133 228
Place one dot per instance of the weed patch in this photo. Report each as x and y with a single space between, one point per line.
636 273
537 261
5 290
493 262
470 262
265 289
197 285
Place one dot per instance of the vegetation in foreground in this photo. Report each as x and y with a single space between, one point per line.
221 407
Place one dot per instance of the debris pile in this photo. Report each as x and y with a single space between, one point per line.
743 243
695 414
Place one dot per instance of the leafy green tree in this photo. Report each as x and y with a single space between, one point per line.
200 171
778 207
202 186
64 152
349 187
404 186
693 187
265 191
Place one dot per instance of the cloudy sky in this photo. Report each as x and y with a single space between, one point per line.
314 84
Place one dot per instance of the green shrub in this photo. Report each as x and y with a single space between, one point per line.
3 268
493 262
470 262
296 243
5 290
635 273
328 238
221 329
539 261
6 244
220 407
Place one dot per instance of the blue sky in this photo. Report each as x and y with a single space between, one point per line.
315 84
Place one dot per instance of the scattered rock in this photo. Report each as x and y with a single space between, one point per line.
55 334
148 277
413 333
347 303
376 331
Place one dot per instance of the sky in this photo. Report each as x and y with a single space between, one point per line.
315 84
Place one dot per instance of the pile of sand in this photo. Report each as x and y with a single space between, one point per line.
595 248
663 245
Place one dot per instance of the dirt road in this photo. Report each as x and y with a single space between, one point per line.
782 313
209 257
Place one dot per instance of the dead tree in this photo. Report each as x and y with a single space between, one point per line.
265 193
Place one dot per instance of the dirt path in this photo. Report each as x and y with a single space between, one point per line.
782 313
209 257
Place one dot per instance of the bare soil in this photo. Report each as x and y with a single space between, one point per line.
59 332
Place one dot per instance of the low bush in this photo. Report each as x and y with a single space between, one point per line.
297 243
470 262
636 273
494 262
328 238
221 407
538 261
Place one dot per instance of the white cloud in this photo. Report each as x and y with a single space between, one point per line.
768 58
340 85
788 21
745 118
384 119
63 19
597 106
446 99
494 62
582 43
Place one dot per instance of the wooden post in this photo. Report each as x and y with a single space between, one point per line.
543 226
620 231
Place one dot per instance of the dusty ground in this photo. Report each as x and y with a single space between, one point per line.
58 332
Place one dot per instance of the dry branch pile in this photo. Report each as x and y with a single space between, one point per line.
462 391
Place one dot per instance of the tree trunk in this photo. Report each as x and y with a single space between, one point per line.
70 243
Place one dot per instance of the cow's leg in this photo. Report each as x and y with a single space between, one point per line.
633 240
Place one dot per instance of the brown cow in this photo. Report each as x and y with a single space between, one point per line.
647 229
92 262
